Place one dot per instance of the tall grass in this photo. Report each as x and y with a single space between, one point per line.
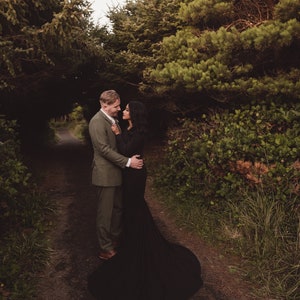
269 242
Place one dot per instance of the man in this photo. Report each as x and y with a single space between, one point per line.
107 173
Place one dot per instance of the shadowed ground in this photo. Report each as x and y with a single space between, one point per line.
65 171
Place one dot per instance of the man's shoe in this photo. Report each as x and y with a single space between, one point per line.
107 255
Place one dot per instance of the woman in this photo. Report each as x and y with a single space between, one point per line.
147 266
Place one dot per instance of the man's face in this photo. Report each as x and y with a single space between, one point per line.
112 109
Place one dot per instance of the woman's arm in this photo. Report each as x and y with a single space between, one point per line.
129 143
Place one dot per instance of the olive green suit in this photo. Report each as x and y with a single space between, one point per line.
107 177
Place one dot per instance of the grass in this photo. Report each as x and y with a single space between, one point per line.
260 234
23 255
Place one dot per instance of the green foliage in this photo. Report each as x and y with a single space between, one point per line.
137 30
77 122
268 239
77 113
287 9
206 11
23 211
251 52
240 168
22 256
46 47
38 32
13 174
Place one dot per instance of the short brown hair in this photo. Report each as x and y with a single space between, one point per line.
109 97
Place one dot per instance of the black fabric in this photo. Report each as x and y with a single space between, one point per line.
147 266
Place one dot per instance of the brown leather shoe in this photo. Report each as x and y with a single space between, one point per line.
107 255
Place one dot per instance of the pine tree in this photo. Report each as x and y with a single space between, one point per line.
231 48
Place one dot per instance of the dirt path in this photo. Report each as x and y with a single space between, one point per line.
65 171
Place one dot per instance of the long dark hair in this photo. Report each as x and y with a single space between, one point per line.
139 116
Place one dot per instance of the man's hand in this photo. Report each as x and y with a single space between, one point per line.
136 162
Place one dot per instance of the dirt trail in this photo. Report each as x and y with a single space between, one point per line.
65 175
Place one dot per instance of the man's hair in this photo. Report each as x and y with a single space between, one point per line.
109 97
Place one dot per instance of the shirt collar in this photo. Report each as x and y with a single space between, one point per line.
113 121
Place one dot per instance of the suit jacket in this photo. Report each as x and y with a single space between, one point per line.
107 162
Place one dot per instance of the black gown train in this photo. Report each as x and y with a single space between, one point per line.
147 266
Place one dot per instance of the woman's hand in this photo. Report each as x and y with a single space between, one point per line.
115 129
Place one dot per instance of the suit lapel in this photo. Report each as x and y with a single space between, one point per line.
105 117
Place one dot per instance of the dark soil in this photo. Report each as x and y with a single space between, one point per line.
65 171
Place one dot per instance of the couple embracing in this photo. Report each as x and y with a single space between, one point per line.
138 262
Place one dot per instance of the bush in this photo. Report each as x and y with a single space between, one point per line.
23 211
241 167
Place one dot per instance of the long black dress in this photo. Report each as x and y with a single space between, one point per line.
147 266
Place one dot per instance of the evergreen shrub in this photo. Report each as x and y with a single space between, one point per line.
23 211
240 167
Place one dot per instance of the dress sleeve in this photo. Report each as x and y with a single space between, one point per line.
130 144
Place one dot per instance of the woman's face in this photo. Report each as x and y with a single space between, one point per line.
126 113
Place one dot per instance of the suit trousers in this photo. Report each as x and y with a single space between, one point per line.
109 216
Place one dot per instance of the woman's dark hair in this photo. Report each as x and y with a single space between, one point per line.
138 115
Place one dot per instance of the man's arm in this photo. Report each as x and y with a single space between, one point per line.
100 139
